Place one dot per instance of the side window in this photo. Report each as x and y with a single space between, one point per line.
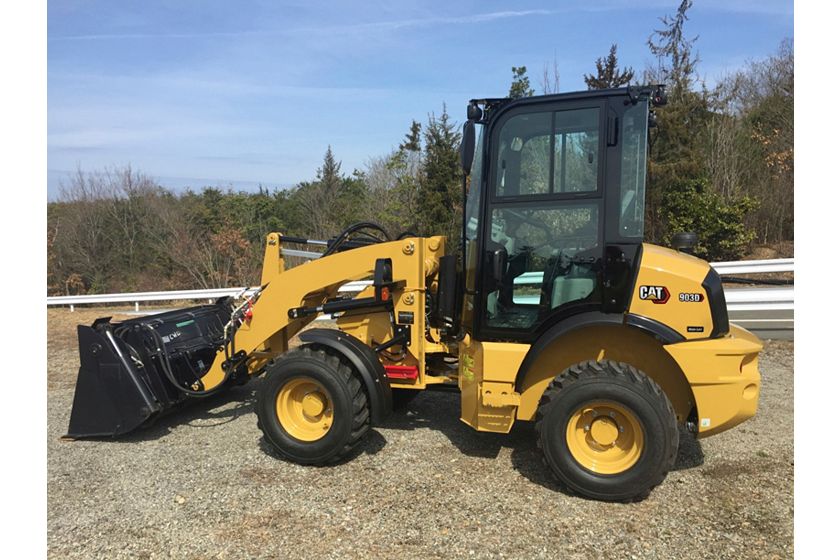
631 222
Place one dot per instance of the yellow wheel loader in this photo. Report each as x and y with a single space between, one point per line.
551 310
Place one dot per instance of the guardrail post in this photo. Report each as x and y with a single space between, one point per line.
72 309
136 306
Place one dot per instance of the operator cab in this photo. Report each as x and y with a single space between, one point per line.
554 215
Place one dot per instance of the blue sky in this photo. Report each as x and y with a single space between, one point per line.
237 94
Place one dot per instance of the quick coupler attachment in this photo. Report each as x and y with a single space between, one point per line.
133 371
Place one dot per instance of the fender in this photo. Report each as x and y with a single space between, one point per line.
653 328
364 360
660 331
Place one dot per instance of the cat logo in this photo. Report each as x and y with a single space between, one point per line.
656 294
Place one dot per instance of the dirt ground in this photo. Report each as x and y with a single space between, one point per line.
202 484
781 250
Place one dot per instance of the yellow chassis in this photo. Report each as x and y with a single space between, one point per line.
715 379
723 374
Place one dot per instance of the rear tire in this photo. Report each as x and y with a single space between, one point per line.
312 408
607 431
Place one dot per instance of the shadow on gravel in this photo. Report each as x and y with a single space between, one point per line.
528 459
690 453
371 445
440 412
208 412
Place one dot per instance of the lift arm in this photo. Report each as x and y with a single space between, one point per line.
278 313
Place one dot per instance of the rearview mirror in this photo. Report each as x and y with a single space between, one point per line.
467 147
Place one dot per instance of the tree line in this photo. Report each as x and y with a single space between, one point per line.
720 164
117 230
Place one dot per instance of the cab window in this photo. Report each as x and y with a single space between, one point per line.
548 153
551 250
576 151
524 157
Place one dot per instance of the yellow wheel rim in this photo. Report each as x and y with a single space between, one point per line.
605 437
304 409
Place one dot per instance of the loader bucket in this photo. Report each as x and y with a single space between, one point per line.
133 371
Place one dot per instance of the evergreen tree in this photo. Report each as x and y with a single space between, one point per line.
677 174
403 201
440 179
342 198
329 174
316 203
676 153
521 85
674 52
412 138
607 74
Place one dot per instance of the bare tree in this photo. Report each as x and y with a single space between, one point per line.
550 81
750 141
102 224
82 245
393 184
724 161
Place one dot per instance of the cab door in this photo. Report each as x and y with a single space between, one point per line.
543 223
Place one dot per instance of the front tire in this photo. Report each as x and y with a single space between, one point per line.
607 431
311 407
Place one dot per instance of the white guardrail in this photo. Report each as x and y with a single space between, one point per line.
766 311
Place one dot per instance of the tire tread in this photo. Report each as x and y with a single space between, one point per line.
607 368
345 372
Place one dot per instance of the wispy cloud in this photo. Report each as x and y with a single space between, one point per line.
451 20
387 25
200 35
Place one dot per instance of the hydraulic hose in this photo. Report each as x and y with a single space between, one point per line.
344 236
166 366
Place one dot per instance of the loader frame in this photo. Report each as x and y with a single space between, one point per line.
291 299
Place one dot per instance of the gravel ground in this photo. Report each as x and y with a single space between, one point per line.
202 484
